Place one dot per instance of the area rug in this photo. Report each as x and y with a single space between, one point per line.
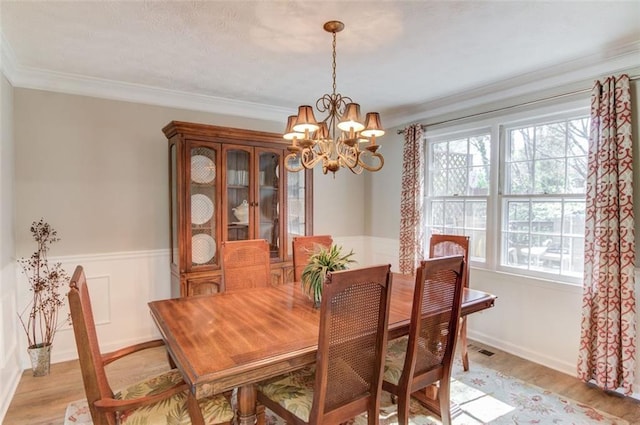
484 395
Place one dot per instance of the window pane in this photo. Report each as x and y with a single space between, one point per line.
550 176
457 181
438 185
454 214
438 156
437 213
577 175
578 137
519 178
457 154
476 213
550 141
479 181
521 146
476 221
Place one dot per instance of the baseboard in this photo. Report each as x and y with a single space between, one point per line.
526 354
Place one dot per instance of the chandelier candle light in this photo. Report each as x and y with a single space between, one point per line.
314 142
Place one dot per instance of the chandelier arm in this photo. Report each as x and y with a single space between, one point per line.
348 159
309 158
290 157
374 167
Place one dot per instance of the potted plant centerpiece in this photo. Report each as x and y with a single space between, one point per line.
320 263
39 319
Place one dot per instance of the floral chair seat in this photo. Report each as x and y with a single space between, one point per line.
215 409
396 353
293 391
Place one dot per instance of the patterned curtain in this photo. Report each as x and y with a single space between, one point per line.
411 203
608 336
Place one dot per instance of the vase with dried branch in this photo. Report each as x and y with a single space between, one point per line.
39 319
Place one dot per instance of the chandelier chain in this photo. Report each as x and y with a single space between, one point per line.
334 63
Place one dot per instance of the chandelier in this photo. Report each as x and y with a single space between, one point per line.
335 141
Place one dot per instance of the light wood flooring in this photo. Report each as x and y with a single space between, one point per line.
43 400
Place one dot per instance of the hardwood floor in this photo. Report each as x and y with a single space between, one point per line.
40 401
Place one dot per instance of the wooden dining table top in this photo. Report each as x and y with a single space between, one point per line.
227 340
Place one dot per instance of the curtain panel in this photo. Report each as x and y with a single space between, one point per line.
411 202
608 332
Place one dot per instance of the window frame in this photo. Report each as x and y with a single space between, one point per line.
429 199
496 124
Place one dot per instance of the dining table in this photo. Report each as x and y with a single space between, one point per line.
231 340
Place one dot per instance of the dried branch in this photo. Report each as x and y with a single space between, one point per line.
45 282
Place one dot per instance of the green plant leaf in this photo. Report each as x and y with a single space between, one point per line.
320 263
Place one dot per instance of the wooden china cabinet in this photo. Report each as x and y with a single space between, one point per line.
230 184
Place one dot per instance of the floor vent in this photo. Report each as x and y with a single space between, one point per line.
486 352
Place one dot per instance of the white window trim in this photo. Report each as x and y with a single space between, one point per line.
496 125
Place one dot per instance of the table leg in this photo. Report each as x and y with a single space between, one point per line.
247 397
194 409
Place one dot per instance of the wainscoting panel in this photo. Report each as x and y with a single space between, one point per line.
10 369
121 285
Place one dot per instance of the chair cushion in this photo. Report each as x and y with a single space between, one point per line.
293 391
396 353
215 409
394 362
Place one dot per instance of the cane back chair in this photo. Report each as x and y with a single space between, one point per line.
159 400
245 264
425 356
347 377
446 245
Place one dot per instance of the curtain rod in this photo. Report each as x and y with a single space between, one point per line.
504 108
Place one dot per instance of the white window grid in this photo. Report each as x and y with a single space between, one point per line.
496 126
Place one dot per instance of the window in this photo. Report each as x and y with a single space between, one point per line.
458 189
516 188
543 202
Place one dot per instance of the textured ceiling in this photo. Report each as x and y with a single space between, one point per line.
392 56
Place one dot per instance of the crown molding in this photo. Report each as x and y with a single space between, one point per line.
579 72
38 79
7 60
558 77
139 93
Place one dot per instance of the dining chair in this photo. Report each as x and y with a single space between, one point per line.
303 248
161 399
425 356
446 245
347 376
245 264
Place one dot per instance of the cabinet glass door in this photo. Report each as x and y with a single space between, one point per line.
268 212
296 206
238 195
202 183
173 170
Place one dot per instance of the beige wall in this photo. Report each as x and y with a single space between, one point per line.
97 171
